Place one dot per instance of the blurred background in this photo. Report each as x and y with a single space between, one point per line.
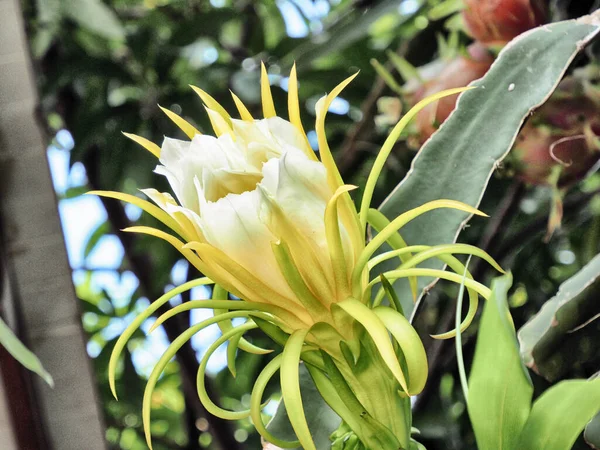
74 74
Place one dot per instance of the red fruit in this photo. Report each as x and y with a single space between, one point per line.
457 72
562 133
495 22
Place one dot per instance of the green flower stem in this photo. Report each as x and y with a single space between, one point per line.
377 390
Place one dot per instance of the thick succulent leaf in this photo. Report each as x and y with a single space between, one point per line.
592 433
500 390
565 325
322 420
457 162
21 353
560 415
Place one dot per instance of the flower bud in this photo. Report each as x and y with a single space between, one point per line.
496 22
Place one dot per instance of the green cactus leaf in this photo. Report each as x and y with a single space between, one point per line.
458 161
500 390
556 337
592 433
560 414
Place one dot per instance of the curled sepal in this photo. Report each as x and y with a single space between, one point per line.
398 223
137 322
237 341
425 252
334 242
145 206
256 407
164 360
310 354
290 388
294 279
179 245
394 275
378 221
410 344
205 399
378 332
388 145
391 293
452 249
233 305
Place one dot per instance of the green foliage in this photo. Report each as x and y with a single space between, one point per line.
560 414
500 391
21 353
454 164
592 432
563 328
104 65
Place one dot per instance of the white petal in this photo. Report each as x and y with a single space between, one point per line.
232 224
299 186
285 134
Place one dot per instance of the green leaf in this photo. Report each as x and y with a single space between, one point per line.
445 9
500 390
458 161
355 25
322 420
99 232
562 323
592 433
22 354
560 415
94 16
74 192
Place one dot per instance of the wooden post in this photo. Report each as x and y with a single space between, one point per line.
36 260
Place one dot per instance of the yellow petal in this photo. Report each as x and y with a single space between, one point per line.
211 103
189 130
244 113
146 143
265 93
335 180
146 206
348 213
294 111
218 123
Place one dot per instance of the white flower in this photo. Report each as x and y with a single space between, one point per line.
230 186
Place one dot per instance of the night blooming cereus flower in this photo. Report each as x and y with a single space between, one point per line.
265 219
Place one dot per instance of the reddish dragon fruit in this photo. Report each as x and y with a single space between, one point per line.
456 72
495 22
